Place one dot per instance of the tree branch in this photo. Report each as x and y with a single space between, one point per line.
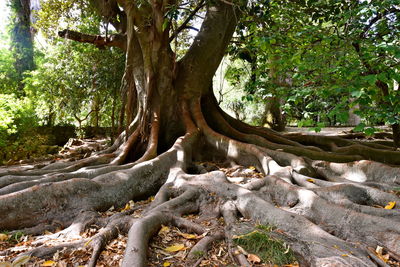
376 19
192 28
187 20
115 40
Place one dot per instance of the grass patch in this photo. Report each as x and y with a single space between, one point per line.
268 248
15 237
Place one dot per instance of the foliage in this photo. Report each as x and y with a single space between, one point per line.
8 74
305 54
8 80
17 119
56 15
74 80
70 78
372 29
15 114
71 81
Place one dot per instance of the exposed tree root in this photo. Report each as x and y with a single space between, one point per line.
348 150
320 197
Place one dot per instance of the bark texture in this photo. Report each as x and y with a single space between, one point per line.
323 194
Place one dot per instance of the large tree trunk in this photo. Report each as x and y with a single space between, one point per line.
272 114
319 192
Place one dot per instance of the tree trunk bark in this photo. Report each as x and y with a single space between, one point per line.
121 117
22 40
273 114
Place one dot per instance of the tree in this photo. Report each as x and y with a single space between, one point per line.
371 29
318 72
22 39
377 48
74 81
318 191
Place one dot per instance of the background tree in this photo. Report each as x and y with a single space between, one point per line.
22 39
323 72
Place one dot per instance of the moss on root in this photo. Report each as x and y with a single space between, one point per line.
270 249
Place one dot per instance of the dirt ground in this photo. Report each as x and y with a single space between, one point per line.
328 131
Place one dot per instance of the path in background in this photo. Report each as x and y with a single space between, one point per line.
328 131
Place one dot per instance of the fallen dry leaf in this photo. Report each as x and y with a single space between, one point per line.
253 258
128 205
48 263
175 248
390 205
166 264
385 257
379 253
311 180
21 261
164 229
379 250
88 242
188 236
3 237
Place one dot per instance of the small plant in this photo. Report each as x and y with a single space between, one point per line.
198 254
13 238
270 249
16 237
265 228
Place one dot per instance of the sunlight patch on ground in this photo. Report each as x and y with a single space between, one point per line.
307 197
356 176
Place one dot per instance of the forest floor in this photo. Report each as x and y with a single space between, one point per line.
330 131
170 246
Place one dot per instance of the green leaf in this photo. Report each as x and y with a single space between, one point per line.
165 24
370 131
359 128
356 94
371 79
